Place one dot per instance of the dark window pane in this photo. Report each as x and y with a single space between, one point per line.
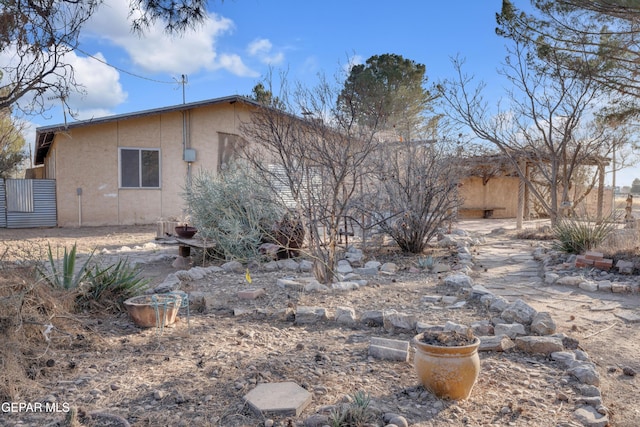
150 168
130 168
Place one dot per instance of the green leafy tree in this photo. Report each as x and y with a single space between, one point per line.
176 15
413 190
387 92
11 145
265 96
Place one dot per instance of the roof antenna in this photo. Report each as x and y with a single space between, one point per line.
62 98
183 81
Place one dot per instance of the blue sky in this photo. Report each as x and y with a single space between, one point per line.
243 39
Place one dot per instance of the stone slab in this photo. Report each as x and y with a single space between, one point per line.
285 399
386 342
628 316
388 349
601 306
251 293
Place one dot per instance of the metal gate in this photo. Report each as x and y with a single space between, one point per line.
28 203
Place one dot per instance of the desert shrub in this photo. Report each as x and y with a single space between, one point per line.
357 413
577 235
415 193
108 287
61 272
233 210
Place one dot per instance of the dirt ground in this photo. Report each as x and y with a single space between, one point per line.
196 372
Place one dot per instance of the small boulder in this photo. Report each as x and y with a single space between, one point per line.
543 324
519 312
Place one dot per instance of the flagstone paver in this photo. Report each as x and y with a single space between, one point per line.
285 399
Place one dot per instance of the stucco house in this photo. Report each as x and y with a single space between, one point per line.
132 168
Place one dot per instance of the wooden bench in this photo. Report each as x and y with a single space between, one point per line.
184 249
487 212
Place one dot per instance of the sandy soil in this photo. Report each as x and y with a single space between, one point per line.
196 372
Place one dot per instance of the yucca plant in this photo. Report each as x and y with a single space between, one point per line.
111 285
576 235
61 273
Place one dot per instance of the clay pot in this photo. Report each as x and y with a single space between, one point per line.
143 308
447 372
185 231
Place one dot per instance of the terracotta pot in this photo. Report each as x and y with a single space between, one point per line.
448 372
143 308
186 232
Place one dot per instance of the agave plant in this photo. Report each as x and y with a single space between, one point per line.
356 414
111 285
426 262
61 272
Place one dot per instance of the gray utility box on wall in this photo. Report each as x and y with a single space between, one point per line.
189 155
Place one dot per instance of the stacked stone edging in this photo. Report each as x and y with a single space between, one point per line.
562 269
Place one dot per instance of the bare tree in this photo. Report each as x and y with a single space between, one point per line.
35 37
596 38
550 124
316 162
415 190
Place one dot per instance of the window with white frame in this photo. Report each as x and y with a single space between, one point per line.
139 168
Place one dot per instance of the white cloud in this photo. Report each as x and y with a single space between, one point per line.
259 46
156 51
262 49
97 84
234 64
311 65
100 83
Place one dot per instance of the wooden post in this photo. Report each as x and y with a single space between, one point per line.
600 191
521 188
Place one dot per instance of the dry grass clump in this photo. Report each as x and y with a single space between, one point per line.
538 233
34 318
622 244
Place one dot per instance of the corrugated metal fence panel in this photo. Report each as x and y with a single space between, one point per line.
19 195
3 205
44 212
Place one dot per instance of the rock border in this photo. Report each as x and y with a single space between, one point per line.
517 325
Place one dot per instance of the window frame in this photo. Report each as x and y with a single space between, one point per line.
140 174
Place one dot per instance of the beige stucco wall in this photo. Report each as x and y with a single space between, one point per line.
498 192
87 158
503 192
